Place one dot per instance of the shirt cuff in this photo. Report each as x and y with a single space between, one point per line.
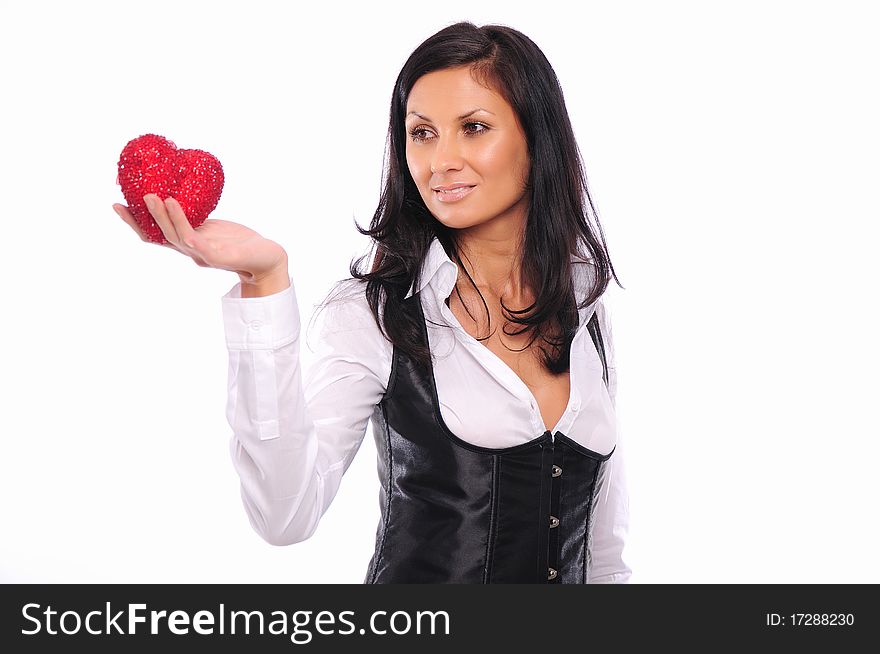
260 323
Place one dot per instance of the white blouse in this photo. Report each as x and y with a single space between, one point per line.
295 434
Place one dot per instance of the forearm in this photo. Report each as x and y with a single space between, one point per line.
295 434
274 447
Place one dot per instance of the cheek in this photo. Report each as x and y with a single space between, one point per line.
505 162
417 167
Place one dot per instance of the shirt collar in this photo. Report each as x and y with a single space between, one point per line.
441 273
436 260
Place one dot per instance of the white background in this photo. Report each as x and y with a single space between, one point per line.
732 150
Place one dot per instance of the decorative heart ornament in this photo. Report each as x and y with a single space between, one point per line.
153 164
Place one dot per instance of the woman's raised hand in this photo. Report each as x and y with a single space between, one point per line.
215 243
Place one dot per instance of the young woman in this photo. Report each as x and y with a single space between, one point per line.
477 341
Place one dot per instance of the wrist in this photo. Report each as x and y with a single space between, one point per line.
272 282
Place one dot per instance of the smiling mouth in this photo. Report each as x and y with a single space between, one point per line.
453 195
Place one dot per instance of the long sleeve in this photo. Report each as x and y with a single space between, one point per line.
295 435
612 508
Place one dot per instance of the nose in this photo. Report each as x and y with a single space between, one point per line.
447 154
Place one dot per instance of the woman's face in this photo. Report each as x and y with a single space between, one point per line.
459 133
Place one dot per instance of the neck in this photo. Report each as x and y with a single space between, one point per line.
492 254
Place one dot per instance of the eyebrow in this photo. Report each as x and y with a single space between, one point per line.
462 117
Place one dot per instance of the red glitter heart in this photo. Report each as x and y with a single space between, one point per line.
153 164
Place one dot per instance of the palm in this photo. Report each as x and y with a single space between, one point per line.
215 243
232 246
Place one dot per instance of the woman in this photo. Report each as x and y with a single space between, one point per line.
498 452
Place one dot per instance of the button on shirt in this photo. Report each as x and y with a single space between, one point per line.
296 432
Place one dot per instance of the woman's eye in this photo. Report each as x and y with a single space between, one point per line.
480 125
421 134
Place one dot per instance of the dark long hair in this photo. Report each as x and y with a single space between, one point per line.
561 220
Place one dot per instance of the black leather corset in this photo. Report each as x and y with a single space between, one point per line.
453 512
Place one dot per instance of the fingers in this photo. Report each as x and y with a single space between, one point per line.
171 219
160 214
123 212
185 231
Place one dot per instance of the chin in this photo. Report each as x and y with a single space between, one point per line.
458 222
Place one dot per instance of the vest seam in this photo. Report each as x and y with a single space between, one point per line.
590 509
580 449
562 479
545 509
596 336
392 376
387 517
493 517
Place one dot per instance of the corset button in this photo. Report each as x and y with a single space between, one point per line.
557 471
554 521
551 574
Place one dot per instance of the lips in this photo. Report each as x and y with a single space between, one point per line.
452 192
450 187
